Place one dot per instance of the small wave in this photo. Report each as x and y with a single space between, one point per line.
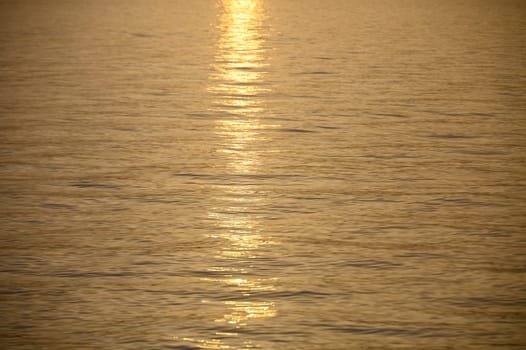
96 274
57 206
373 264
449 136
315 72
94 185
393 331
143 35
390 115
295 130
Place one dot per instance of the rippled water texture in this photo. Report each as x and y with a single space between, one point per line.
273 174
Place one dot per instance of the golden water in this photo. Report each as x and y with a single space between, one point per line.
268 174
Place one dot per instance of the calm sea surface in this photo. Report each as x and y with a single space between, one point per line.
269 174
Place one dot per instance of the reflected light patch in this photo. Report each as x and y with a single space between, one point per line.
242 311
247 286
237 86
209 344
239 67
241 138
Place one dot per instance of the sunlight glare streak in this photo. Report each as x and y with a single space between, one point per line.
237 85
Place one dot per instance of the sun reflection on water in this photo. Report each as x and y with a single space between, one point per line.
241 137
237 85
240 62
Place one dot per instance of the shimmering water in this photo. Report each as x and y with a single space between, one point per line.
274 174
